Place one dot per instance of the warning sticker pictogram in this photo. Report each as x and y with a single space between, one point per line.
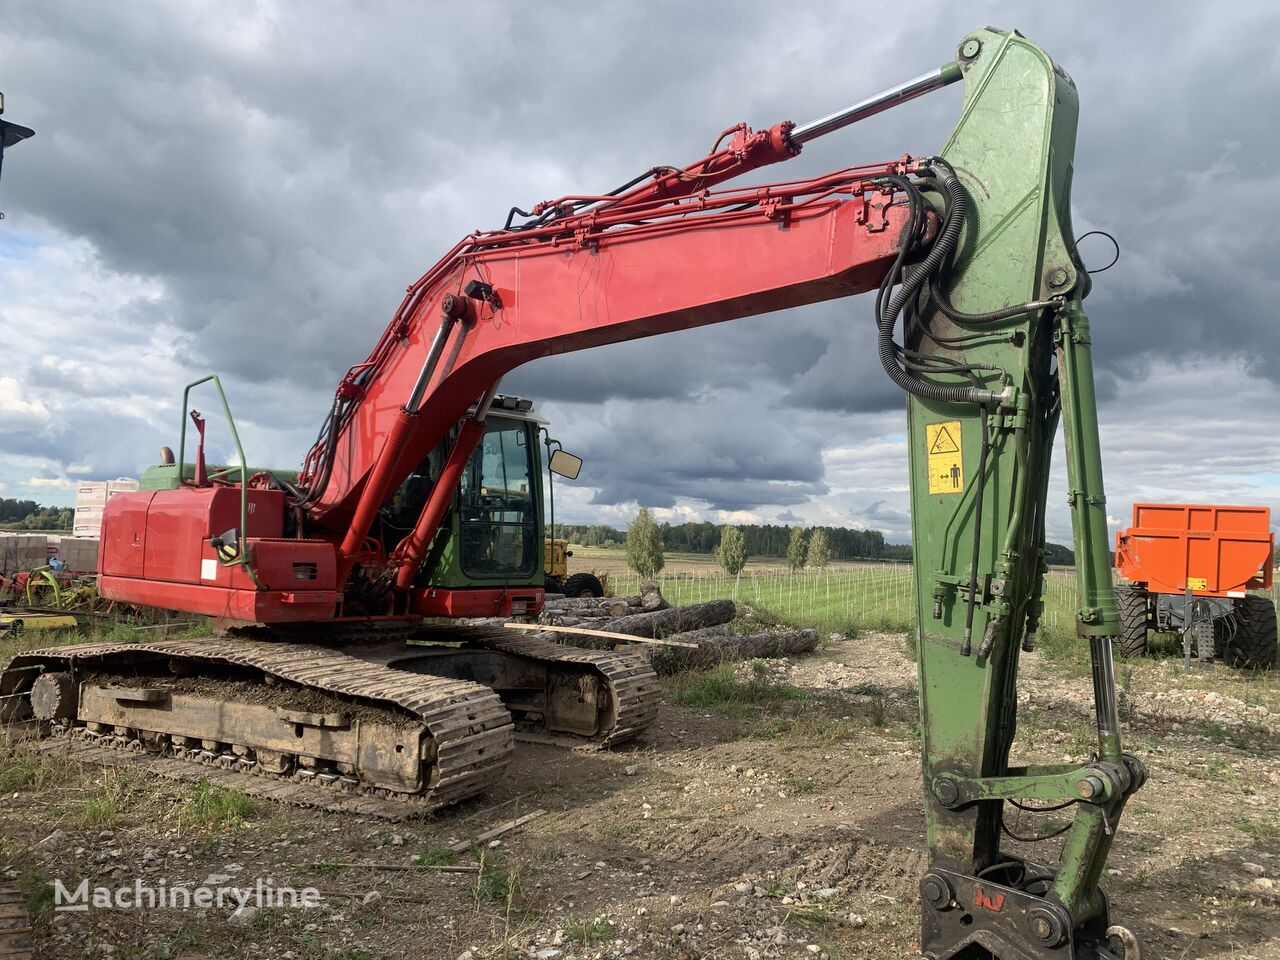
945 458
942 441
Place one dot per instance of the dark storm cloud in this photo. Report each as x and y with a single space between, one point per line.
280 173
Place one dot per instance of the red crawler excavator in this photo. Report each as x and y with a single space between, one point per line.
418 500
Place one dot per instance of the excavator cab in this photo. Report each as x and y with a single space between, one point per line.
489 541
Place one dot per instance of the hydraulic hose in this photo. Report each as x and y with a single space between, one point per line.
943 247
991 316
979 495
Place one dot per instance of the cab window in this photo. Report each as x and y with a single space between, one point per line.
497 515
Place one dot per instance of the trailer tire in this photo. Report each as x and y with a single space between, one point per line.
1135 619
583 585
1254 645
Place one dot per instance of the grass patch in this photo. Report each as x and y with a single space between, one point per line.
109 792
21 770
1263 826
496 882
101 812
719 689
125 633
434 856
38 893
800 785
217 807
590 932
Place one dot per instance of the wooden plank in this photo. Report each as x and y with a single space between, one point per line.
606 634
463 845
409 868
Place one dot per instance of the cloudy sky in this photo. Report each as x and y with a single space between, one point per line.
247 187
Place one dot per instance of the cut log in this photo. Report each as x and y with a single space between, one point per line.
592 607
543 629
664 623
651 597
712 649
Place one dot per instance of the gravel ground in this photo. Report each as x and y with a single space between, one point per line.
783 829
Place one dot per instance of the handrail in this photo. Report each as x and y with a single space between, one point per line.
242 558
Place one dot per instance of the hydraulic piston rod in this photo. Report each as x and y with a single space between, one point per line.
877 103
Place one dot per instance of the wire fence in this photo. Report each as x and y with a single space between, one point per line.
867 595
870 595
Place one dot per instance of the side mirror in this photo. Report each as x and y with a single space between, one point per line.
565 465
226 545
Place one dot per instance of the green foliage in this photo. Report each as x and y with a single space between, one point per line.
435 856
771 540
29 515
496 882
100 812
328 869
590 932
819 551
719 689
797 549
644 545
763 540
125 633
20 771
732 552
215 806
38 893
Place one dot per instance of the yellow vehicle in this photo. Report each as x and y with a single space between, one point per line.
556 549
558 578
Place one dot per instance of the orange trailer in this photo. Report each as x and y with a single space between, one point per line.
1190 567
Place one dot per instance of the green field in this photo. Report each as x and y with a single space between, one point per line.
843 597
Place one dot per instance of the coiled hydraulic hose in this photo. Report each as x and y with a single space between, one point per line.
926 279
943 247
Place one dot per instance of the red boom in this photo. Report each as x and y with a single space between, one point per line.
670 254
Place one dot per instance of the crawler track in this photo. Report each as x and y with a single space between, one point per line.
632 683
15 924
467 730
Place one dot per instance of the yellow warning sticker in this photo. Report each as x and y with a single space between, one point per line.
1197 583
946 461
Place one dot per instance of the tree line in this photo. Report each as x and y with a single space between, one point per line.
29 515
645 542
762 540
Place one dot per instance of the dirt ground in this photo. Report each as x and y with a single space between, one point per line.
773 811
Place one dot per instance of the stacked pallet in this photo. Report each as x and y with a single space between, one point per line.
21 552
80 554
91 500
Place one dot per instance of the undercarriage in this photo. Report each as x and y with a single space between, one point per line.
427 724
